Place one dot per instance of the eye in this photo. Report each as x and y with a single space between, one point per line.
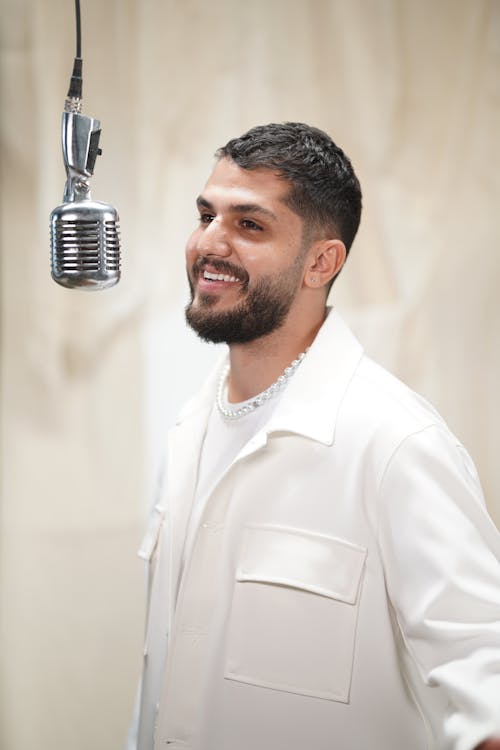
205 218
249 224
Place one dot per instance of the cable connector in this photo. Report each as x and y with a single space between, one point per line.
76 82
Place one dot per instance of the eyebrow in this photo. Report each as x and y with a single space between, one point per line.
239 208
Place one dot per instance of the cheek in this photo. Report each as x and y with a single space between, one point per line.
256 258
268 260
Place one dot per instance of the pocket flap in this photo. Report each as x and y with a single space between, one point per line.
324 565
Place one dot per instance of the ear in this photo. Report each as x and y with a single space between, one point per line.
325 261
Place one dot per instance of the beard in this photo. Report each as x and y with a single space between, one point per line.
262 309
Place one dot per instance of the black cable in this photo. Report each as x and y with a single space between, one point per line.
78 30
75 84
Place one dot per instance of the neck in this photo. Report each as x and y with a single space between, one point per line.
256 365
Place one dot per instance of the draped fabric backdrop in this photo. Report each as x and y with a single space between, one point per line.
90 381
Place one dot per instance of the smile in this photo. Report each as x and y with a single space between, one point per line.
218 277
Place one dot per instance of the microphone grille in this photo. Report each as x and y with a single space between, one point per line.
85 245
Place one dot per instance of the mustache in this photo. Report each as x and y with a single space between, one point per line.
220 266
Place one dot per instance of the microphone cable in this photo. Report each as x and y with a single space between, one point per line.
76 82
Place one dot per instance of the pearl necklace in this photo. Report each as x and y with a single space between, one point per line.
261 397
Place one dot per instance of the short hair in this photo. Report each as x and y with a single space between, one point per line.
325 191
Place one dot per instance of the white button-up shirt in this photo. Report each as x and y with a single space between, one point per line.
343 586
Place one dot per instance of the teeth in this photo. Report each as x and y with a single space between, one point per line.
218 276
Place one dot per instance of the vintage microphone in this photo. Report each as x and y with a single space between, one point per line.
85 243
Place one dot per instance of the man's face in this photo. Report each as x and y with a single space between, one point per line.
245 261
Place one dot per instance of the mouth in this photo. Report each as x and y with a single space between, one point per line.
220 277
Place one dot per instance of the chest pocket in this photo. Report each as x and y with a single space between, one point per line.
294 612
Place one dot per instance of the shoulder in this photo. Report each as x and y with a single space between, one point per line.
384 405
381 418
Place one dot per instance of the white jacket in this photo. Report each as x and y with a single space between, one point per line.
343 589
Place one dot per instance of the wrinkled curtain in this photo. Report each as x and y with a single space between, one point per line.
91 381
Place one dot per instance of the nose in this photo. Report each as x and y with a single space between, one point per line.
214 240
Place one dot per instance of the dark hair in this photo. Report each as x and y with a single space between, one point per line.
325 191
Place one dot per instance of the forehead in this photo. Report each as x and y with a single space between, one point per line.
259 186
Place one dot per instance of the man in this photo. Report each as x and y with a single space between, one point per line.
324 573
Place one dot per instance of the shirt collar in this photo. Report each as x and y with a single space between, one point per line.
312 398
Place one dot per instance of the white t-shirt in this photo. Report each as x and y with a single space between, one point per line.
223 441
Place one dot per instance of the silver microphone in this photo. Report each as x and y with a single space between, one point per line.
84 234
85 243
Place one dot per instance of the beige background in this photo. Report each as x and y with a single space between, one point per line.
410 89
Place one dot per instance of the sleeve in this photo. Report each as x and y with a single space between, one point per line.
441 555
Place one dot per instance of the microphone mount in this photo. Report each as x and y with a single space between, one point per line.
80 145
